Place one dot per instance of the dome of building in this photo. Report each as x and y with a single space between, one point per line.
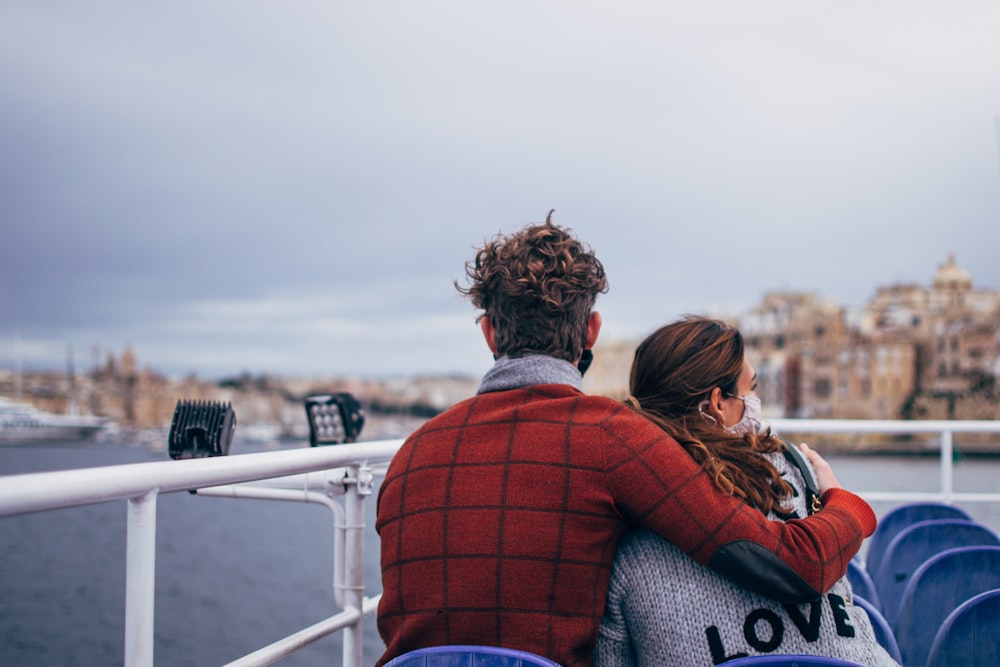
951 276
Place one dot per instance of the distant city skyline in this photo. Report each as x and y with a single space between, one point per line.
293 189
98 356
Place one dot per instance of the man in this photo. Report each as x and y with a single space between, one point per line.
500 517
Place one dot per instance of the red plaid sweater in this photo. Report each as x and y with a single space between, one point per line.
499 521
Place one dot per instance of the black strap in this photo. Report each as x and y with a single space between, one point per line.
794 456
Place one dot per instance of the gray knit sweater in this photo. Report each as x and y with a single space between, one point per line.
663 608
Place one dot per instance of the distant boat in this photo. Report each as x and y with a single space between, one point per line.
20 422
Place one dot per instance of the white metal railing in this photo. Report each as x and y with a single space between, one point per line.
338 470
946 449
320 475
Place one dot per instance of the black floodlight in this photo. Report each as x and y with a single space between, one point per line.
201 429
334 418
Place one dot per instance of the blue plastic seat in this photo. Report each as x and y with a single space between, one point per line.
902 517
790 661
862 584
936 589
883 633
970 636
469 656
914 545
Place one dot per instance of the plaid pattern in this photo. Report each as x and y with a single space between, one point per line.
499 521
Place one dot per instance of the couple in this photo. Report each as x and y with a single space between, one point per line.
500 519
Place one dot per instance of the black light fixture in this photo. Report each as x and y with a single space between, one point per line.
201 429
334 418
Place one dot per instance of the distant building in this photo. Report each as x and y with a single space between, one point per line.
609 372
915 352
955 330
793 340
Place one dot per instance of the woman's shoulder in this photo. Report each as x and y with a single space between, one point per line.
646 553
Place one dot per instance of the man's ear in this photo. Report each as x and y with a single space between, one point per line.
489 334
593 330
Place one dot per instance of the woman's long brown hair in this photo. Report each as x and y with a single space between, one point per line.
674 370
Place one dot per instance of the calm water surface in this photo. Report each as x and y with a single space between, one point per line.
234 575
231 575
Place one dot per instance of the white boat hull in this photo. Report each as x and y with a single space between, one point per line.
24 423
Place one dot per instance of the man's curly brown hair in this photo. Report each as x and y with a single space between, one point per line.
538 287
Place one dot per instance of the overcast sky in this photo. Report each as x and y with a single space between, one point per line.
292 187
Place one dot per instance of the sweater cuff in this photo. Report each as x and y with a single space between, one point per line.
856 505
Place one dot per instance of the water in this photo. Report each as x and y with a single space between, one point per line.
921 473
231 575
235 575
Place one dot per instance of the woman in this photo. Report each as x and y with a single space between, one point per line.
693 379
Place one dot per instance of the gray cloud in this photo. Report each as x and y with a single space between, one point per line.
294 187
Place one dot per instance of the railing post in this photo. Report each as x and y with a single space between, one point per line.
354 561
947 458
140 580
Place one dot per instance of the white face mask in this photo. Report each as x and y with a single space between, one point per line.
752 420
